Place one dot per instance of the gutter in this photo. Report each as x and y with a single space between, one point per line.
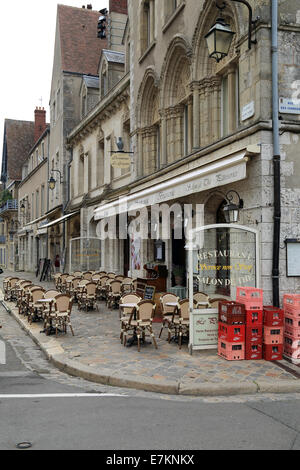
276 156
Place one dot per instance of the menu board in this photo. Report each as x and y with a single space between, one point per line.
149 293
205 329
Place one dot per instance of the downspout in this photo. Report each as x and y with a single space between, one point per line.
276 156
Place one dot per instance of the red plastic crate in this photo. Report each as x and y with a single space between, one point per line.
291 326
231 351
273 335
273 316
291 304
254 335
232 313
232 333
253 352
291 347
251 297
254 317
272 352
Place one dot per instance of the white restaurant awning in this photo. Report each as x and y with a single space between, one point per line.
212 175
61 219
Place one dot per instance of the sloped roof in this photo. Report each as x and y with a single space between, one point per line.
91 82
18 141
80 46
114 56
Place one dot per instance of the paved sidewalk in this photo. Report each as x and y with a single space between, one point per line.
96 354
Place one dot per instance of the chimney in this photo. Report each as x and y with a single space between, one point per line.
89 6
118 6
39 122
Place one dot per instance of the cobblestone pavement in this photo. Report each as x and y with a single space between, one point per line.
96 344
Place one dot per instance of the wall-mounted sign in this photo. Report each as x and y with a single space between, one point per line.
248 111
120 160
292 257
289 106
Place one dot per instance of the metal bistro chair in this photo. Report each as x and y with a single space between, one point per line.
88 298
168 311
69 280
87 275
61 315
21 293
11 289
125 312
63 285
145 312
57 281
47 308
114 293
102 287
181 322
35 308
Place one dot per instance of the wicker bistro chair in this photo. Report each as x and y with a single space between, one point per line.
57 281
87 275
127 285
200 297
60 316
11 289
88 298
69 280
47 308
168 311
102 287
73 288
114 293
111 275
63 285
35 310
77 274
145 312
24 302
6 285
119 277
21 293
181 322
80 290
214 303
125 312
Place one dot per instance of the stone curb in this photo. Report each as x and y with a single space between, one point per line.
54 353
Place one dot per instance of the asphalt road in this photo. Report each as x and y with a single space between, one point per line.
103 418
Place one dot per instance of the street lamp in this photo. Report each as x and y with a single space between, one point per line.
232 210
220 36
52 180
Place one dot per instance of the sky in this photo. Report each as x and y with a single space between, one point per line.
27 33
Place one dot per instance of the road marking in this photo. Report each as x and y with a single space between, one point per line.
63 395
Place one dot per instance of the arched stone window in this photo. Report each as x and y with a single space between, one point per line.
149 125
177 101
215 85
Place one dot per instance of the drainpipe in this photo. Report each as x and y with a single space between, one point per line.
276 156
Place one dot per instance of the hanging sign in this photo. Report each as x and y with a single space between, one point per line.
120 160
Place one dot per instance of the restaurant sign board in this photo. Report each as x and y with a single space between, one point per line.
221 258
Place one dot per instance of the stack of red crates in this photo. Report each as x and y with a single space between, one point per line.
273 333
291 305
231 340
252 299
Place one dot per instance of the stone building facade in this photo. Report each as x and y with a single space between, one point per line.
193 119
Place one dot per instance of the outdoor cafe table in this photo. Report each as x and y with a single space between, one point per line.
133 340
50 301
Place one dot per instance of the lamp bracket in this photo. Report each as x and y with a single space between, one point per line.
251 22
